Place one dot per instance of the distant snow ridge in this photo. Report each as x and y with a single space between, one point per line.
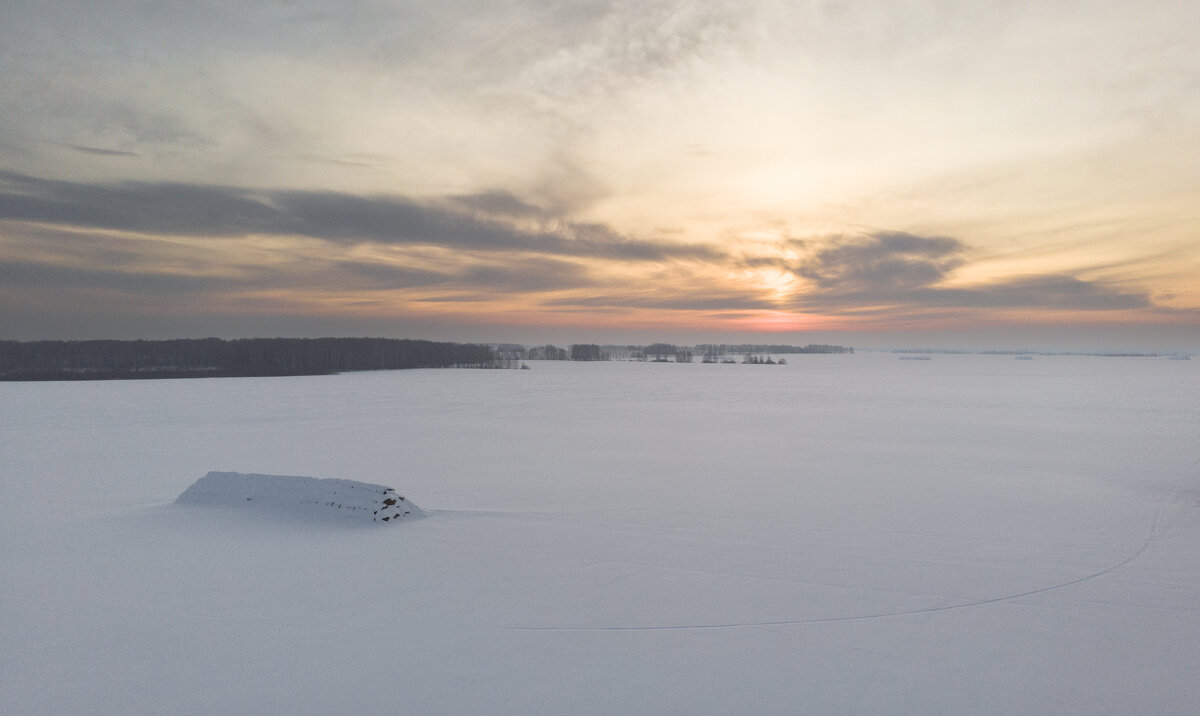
301 496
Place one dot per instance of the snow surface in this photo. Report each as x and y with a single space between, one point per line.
298 497
843 534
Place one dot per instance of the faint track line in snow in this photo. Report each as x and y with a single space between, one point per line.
1151 537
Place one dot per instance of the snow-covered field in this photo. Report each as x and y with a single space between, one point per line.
843 534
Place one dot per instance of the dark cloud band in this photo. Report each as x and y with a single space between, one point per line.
223 211
895 269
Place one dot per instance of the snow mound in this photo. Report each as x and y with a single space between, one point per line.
300 496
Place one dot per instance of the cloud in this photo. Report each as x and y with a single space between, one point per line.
888 270
1052 292
151 281
367 275
42 276
225 211
497 203
672 299
108 267
166 208
102 152
883 261
613 46
527 276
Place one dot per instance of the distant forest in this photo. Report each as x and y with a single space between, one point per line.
213 357
247 357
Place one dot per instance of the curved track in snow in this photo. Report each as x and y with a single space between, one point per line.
1151 537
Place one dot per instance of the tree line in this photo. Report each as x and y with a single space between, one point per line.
742 348
658 352
214 357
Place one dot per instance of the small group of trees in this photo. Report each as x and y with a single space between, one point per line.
665 353
587 352
546 352
659 352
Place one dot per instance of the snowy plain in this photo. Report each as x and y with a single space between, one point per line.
842 534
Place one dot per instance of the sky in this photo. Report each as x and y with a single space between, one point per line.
972 175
